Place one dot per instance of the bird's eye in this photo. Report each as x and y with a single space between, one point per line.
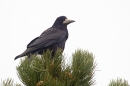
64 19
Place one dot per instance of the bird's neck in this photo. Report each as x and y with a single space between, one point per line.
60 27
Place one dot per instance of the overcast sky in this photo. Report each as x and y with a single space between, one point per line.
102 27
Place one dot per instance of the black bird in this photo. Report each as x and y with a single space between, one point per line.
52 38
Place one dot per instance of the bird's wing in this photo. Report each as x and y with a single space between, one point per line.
32 41
47 38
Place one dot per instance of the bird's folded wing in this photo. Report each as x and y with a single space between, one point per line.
32 41
47 39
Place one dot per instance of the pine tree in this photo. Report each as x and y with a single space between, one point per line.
9 82
118 82
52 71
45 71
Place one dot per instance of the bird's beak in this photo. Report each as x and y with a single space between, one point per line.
67 21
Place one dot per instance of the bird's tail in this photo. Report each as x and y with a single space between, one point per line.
17 57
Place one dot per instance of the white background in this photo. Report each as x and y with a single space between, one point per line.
102 27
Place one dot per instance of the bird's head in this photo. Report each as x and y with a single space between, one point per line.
62 21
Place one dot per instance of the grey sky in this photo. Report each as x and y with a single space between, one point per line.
102 27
